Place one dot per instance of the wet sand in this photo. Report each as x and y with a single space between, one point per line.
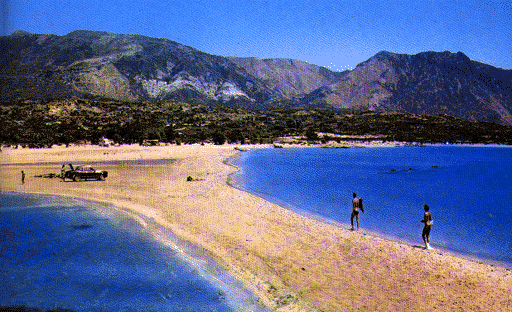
291 262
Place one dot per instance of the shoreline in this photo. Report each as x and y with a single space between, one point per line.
363 231
291 262
459 253
238 297
383 236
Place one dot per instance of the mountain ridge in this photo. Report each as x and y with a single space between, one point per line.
105 65
424 83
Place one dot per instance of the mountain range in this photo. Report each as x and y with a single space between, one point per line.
107 66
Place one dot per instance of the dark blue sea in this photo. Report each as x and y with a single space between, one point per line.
58 252
468 189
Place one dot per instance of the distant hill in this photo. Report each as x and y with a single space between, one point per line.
102 65
91 64
425 83
291 77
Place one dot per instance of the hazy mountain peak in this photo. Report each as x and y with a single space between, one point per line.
21 33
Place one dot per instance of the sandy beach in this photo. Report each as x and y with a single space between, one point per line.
291 262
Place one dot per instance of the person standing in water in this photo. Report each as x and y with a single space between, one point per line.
22 177
357 203
427 220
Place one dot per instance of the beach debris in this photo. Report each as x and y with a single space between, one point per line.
48 175
190 179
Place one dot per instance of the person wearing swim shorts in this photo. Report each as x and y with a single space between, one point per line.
356 205
427 220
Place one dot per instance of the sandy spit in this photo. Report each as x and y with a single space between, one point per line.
291 262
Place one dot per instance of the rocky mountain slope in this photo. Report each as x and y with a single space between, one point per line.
424 83
291 77
132 67
103 65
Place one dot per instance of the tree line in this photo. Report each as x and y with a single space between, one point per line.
45 123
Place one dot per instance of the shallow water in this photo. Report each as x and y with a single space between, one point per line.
85 256
466 187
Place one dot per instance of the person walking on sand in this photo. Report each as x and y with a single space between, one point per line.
22 177
427 220
357 203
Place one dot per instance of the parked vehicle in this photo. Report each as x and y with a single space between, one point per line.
150 143
105 142
84 172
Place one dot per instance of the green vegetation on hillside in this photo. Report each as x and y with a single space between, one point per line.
42 124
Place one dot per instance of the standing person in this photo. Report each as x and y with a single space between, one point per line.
22 177
357 203
427 220
62 172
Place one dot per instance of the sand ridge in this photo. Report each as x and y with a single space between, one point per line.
293 263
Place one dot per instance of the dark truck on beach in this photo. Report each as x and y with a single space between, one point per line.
84 172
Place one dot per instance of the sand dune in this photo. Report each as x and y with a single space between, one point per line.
291 262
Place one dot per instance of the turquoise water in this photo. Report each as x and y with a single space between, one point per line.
467 188
67 253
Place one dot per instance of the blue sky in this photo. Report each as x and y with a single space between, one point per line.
336 34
